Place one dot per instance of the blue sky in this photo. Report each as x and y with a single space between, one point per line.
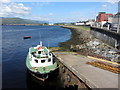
58 11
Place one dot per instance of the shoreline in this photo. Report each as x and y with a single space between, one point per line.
84 43
78 37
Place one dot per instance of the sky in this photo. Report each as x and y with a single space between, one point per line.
55 12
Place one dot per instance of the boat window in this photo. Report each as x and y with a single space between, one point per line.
50 53
53 60
39 52
49 60
33 53
42 61
43 52
36 60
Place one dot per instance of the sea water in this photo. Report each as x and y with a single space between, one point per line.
15 49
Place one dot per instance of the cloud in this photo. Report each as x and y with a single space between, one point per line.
4 1
112 1
109 7
51 14
40 18
44 17
40 4
13 10
104 7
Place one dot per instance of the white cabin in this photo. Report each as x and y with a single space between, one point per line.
40 56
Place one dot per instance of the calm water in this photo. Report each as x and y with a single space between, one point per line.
15 48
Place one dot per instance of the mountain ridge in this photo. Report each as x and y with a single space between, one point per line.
14 20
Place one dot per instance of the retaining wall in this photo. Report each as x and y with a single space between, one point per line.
109 37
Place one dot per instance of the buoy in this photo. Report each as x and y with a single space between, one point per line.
27 37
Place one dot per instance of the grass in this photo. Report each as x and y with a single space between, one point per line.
81 27
53 49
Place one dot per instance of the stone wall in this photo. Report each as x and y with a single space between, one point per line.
109 37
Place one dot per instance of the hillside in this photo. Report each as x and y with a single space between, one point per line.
20 21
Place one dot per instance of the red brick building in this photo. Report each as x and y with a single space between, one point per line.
103 17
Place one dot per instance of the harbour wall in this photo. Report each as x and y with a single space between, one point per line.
109 37
69 78
75 73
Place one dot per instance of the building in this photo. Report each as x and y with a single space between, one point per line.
80 23
90 22
110 19
116 22
103 17
51 24
116 18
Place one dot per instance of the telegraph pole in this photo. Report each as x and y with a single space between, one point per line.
118 28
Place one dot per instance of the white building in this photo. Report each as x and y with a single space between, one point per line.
90 22
110 19
79 23
51 24
116 22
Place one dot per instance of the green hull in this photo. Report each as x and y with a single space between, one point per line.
40 70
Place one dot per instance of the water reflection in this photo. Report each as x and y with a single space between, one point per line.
52 82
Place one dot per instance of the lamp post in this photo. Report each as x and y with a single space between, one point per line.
118 28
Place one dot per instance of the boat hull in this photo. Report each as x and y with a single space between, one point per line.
43 77
42 72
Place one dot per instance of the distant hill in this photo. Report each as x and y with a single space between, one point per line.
20 21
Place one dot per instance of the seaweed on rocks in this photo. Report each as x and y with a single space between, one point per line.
84 43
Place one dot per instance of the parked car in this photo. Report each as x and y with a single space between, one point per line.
106 25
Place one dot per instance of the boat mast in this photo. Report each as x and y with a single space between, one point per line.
41 43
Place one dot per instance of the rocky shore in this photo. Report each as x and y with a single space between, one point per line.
84 43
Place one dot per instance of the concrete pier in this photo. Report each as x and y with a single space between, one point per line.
75 72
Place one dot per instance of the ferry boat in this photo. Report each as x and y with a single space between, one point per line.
40 62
